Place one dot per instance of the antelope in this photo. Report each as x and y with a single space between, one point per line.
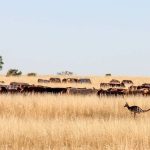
135 109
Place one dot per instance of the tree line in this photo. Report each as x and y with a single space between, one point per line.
16 72
13 72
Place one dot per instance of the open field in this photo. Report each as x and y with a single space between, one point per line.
72 122
45 121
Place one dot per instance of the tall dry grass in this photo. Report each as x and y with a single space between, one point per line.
72 122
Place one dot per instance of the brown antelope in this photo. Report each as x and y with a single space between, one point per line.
135 109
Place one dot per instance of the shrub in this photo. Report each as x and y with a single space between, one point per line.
31 74
13 72
65 73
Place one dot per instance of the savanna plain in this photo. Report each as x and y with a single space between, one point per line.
70 122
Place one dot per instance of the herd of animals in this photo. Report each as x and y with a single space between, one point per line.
112 88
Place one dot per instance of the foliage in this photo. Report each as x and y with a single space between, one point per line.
65 73
14 72
1 62
32 74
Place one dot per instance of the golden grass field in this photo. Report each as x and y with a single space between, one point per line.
72 122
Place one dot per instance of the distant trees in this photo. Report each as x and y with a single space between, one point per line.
65 73
13 72
1 63
32 74
16 72
108 75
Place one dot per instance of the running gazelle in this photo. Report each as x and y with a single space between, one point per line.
135 109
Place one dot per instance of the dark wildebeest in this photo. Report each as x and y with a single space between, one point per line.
81 91
55 80
64 80
88 81
101 92
145 92
116 92
146 85
112 84
70 80
127 82
16 87
117 85
114 81
3 89
44 89
18 84
43 81
133 90
104 85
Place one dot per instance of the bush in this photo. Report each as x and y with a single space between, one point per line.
31 74
65 73
14 72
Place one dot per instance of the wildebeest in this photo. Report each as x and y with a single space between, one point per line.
132 88
55 80
81 91
84 80
117 85
104 85
2 82
70 80
112 92
114 81
143 86
43 81
146 92
64 80
3 89
18 84
43 89
139 90
116 92
127 82
146 85
102 92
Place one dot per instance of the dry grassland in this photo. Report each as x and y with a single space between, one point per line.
72 122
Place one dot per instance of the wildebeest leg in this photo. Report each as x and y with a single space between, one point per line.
123 95
134 114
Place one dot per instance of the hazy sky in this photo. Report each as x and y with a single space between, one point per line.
83 36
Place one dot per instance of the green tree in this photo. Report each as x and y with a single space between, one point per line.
31 74
1 62
13 72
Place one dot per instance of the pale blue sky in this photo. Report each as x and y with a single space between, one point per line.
83 36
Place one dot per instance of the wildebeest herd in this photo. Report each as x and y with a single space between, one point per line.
65 80
112 88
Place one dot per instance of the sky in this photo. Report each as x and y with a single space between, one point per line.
87 37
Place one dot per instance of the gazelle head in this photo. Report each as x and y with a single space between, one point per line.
126 105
